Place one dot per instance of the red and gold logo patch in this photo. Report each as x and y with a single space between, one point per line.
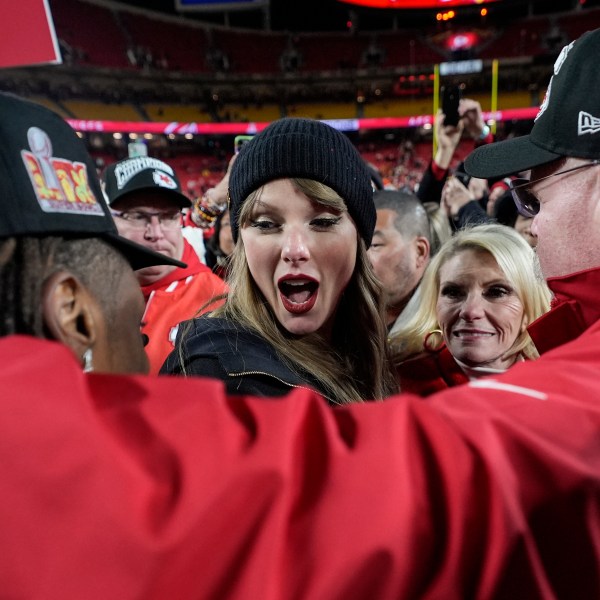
60 185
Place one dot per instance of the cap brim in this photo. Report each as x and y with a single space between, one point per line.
507 157
182 200
137 255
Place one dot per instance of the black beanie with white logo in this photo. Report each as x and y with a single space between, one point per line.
306 149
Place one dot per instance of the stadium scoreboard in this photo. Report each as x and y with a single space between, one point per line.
219 5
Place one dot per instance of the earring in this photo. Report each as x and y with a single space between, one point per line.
432 345
88 367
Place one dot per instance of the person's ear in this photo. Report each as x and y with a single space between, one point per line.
423 250
68 312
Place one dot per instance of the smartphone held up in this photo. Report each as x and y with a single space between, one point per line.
451 95
239 141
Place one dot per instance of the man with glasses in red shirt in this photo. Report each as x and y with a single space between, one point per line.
146 201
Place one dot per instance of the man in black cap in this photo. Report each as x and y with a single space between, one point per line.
146 200
63 266
563 192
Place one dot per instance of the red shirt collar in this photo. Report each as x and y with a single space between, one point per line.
575 307
193 266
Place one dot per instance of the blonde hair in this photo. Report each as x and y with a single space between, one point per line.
355 366
440 229
516 259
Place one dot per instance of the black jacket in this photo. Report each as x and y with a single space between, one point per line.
472 213
221 349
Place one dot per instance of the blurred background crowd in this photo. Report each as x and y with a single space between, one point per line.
148 62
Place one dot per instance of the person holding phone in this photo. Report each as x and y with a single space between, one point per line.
448 137
239 141
213 202
206 209
304 307
464 199
451 95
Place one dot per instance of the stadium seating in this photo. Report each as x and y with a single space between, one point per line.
88 109
179 45
91 29
172 46
183 113
142 46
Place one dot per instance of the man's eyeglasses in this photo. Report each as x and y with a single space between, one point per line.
141 220
527 202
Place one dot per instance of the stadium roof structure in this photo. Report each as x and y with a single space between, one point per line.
335 15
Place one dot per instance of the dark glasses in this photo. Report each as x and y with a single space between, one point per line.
527 202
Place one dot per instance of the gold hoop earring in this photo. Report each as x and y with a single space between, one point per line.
428 344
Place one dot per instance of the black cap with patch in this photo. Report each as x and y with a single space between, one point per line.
142 173
48 182
568 123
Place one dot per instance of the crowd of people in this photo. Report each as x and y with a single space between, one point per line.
274 456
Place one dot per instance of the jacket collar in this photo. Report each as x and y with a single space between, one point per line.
241 351
575 307
194 266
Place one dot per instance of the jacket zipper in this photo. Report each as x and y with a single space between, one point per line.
292 385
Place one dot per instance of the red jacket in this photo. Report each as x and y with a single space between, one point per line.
575 305
429 373
177 297
154 488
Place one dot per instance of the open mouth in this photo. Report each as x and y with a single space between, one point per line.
298 295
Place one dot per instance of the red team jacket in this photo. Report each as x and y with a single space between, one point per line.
430 373
156 487
177 297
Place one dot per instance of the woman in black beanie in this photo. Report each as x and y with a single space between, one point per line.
304 307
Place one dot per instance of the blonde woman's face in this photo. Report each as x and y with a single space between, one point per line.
301 255
479 311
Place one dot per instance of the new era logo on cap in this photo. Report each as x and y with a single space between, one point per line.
567 124
587 123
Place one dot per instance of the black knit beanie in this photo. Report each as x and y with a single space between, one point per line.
308 149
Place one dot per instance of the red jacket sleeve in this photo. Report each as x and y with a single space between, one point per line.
141 487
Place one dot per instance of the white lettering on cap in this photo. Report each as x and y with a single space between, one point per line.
558 63
544 105
124 172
